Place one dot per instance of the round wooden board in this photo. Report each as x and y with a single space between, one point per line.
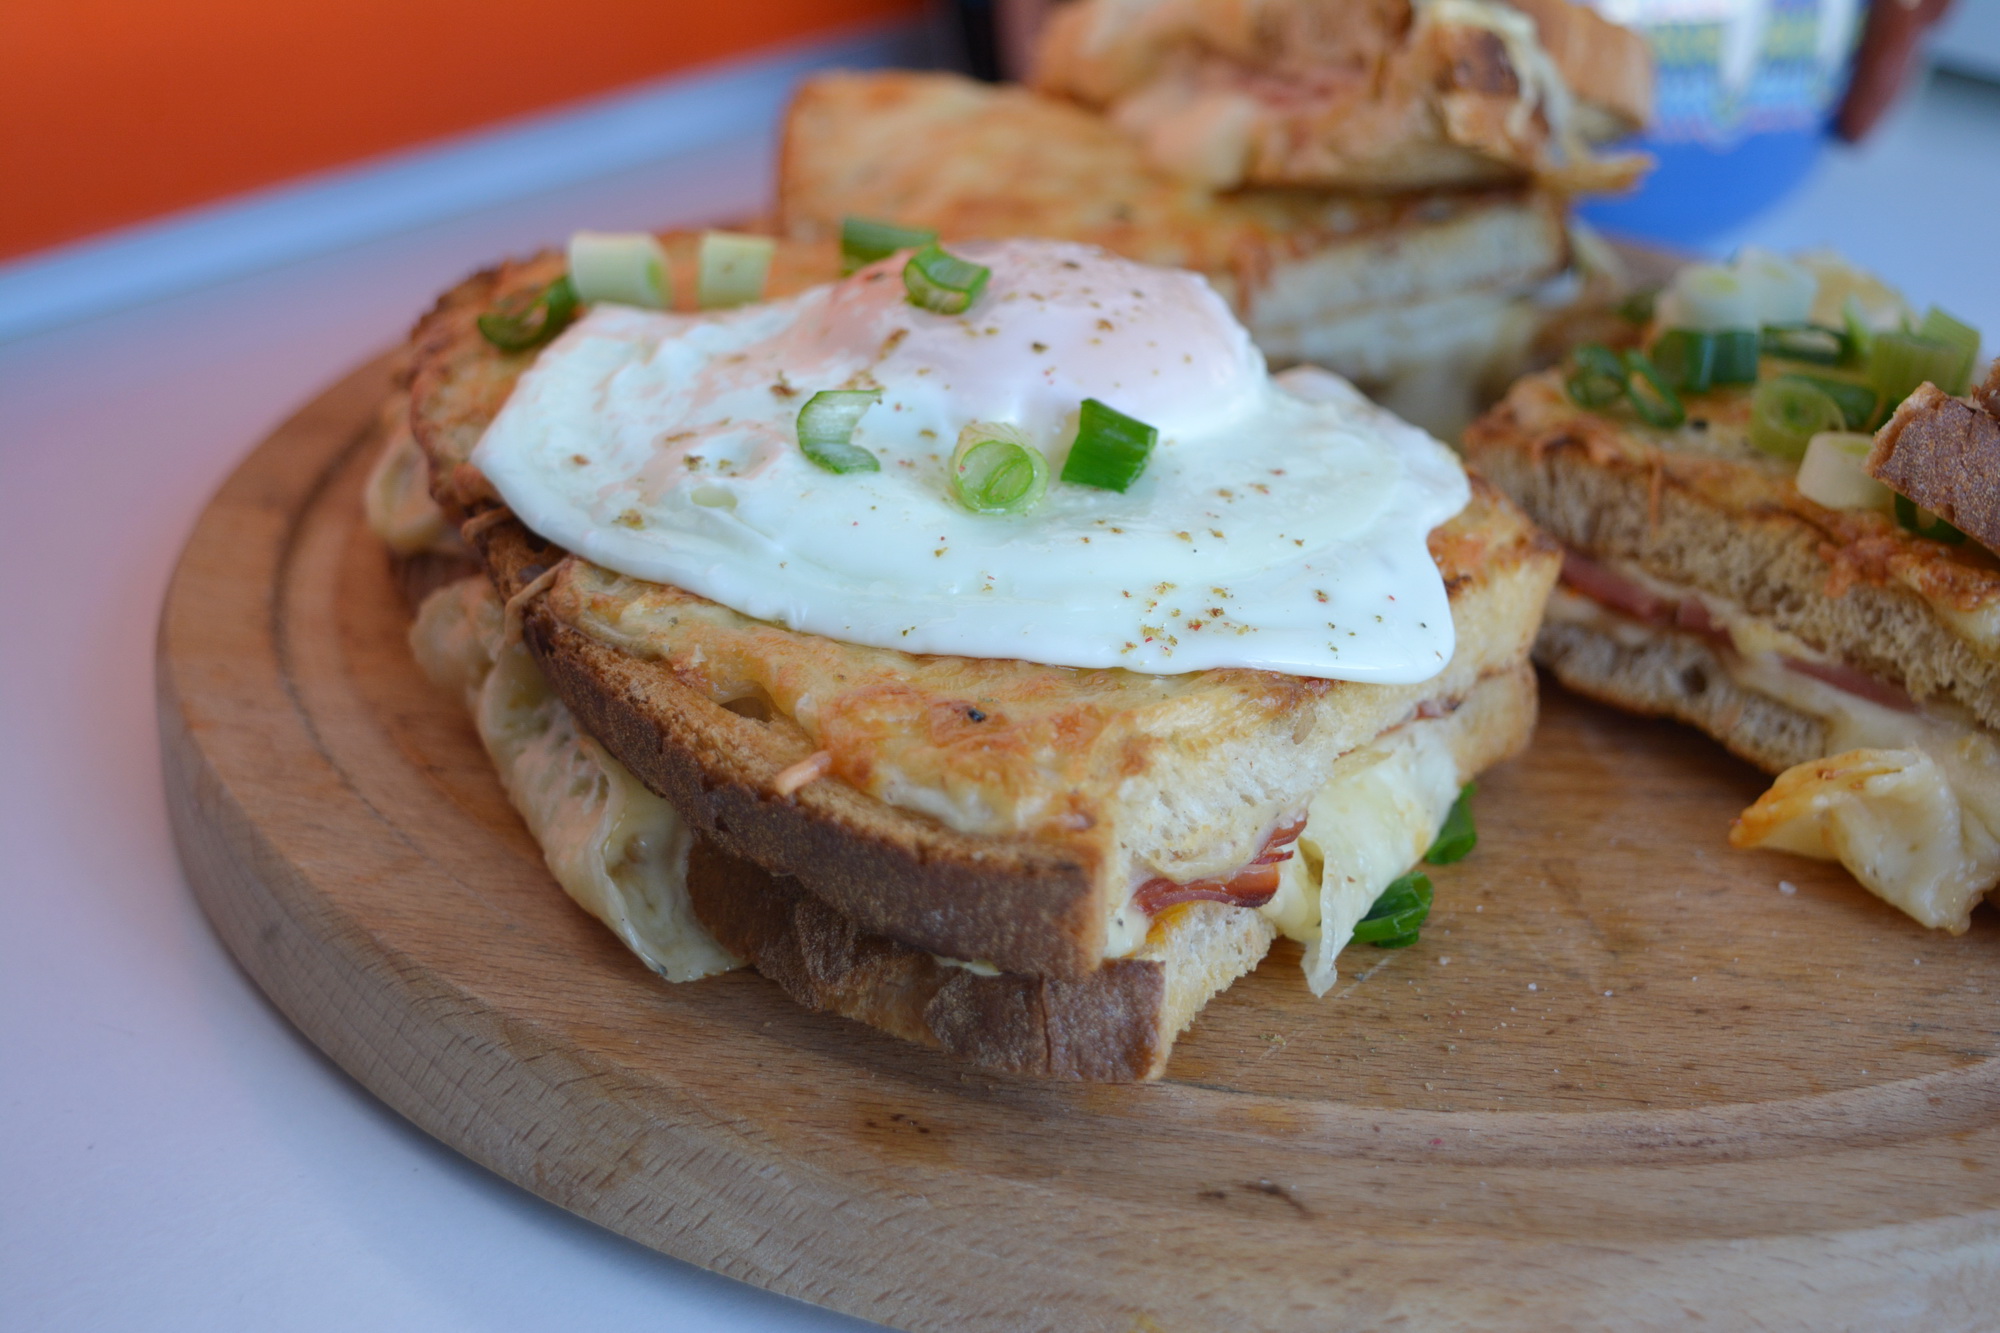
1624 1081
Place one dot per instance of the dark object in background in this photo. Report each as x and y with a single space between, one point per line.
1889 47
973 21
998 36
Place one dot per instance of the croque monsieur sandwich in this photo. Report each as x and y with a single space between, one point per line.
1741 555
1359 94
983 646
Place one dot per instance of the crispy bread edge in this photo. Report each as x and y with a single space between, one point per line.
1679 677
1027 907
1944 453
1634 504
1118 1024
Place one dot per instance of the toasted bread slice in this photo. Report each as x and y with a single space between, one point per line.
1358 94
1117 1023
1701 585
1700 509
992 811
689 909
1944 453
1342 280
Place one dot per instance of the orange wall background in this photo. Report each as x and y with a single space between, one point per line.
112 111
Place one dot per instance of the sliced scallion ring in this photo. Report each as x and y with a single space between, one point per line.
1924 523
628 268
1831 473
1457 836
864 240
1786 412
1736 352
994 470
1816 343
1599 377
1393 921
1860 334
826 429
526 320
1899 362
1857 401
1942 327
1639 306
1111 448
940 281
1687 358
1652 397
734 268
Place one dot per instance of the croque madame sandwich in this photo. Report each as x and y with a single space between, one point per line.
983 646
1424 274
1740 554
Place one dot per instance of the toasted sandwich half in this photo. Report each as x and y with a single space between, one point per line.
1426 300
1036 868
1359 94
1729 563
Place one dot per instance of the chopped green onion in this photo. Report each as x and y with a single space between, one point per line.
1639 306
1111 448
1393 921
1783 290
525 320
1816 343
1857 401
1860 334
1899 362
1599 377
733 269
1832 473
1687 358
1709 297
995 470
1656 403
629 268
1457 837
864 240
1786 412
826 429
941 282
1924 523
1736 352
1937 324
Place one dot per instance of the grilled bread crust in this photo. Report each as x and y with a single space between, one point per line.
1944 453
1362 94
1679 676
971 160
1116 1024
1700 509
1030 892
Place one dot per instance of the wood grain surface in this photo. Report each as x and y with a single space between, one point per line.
1624 1082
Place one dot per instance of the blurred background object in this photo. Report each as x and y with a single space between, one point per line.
1967 42
112 111
1748 91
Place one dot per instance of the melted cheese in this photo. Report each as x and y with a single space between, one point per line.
616 848
1895 819
1367 826
1908 802
397 497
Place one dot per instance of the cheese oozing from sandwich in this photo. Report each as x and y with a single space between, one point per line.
617 849
1279 524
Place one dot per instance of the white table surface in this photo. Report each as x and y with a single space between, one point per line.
173 1155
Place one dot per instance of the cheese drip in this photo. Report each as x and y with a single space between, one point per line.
616 848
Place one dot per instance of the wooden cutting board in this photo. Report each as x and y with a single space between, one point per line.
1629 1079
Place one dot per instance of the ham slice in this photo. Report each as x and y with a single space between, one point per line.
1252 886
